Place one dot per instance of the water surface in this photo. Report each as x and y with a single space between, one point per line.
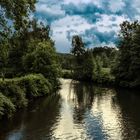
79 111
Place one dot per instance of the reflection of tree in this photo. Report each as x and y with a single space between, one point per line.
38 120
129 103
84 95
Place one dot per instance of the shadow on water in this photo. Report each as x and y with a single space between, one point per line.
35 122
80 111
129 104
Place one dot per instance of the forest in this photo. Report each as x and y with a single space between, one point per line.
30 67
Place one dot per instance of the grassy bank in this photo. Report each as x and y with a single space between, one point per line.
105 77
17 92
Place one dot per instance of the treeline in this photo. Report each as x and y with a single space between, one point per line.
113 66
28 61
93 65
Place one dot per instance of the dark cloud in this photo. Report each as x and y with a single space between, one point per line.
93 37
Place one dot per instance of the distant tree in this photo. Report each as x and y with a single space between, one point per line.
98 66
77 46
89 66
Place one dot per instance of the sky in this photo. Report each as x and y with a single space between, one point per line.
96 21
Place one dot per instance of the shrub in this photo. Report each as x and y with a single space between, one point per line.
17 92
35 85
7 108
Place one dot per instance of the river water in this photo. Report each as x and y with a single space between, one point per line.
79 111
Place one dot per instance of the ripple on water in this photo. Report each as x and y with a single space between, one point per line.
79 112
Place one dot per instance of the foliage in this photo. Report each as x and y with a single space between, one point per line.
18 91
26 47
7 108
41 58
17 11
127 65
35 86
77 46
67 74
66 61
14 19
89 64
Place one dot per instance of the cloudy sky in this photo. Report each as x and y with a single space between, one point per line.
97 21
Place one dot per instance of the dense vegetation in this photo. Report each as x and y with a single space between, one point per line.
28 61
127 66
113 66
15 93
30 66
89 64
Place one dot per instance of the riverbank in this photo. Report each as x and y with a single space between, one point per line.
104 79
17 92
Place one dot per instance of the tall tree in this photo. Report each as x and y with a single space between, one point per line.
14 21
123 71
17 11
77 46
134 68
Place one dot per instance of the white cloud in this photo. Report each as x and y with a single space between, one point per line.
102 17
116 5
72 24
136 4
106 23
53 10
77 2
76 23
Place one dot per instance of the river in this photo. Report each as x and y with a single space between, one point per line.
79 111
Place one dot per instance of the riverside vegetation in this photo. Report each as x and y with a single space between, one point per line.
105 65
30 66
28 61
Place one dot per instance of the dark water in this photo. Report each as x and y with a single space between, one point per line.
79 112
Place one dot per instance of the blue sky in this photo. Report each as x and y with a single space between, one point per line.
97 21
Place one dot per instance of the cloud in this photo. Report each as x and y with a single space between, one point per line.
97 21
65 28
116 5
49 12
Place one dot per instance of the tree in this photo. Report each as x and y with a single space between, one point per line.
127 52
14 19
134 64
77 46
42 58
88 67
17 11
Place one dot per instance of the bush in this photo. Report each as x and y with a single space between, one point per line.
18 91
7 108
67 74
35 85
12 90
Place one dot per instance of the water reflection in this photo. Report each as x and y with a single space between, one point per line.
35 123
80 111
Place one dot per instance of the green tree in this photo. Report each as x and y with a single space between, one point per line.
77 46
134 64
14 20
123 70
89 66
42 58
17 11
